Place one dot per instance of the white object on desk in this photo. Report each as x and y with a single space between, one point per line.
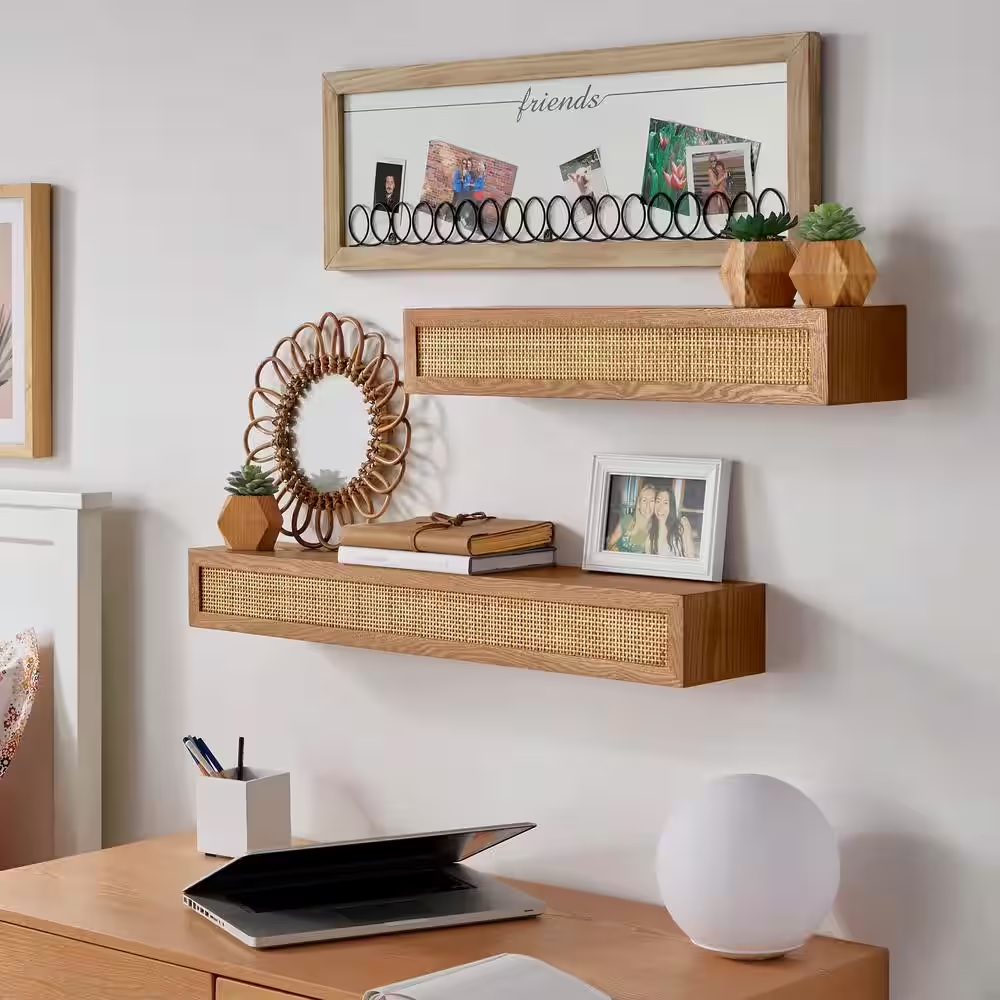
749 868
502 977
237 817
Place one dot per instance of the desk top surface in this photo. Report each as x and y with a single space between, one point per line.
129 898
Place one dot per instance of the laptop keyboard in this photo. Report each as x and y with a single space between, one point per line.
348 890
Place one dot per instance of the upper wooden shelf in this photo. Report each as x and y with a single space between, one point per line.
805 356
672 632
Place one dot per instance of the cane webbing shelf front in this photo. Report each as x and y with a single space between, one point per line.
811 356
671 632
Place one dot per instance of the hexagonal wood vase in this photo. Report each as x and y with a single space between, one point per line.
756 274
250 524
834 273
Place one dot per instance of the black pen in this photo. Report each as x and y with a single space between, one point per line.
239 761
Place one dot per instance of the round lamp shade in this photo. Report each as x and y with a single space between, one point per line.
749 868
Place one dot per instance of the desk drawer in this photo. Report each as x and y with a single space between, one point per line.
226 989
37 966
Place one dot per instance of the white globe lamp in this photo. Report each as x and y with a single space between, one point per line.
749 867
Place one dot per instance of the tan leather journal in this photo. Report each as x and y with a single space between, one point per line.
461 535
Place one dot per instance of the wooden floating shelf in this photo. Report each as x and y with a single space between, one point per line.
670 632
805 356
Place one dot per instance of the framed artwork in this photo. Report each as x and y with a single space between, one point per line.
658 516
25 321
574 159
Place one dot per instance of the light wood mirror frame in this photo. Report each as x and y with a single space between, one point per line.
800 52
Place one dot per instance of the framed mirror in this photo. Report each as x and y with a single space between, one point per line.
328 421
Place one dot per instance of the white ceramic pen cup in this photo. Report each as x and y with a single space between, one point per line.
237 817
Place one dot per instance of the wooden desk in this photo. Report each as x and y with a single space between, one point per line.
111 926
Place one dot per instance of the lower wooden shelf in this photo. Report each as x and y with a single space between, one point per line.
671 632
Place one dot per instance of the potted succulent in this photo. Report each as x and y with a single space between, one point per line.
832 268
250 520
756 266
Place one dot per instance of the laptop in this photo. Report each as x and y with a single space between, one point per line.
325 892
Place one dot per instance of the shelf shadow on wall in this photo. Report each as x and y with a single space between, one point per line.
919 271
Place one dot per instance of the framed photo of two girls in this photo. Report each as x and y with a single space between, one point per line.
657 516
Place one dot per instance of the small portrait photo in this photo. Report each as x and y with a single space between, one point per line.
719 174
388 184
658 516
583 177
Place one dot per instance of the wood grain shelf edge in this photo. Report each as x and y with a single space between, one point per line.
717 632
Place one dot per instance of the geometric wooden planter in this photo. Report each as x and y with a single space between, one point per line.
756 274
803 356
833 273
669 632
250 524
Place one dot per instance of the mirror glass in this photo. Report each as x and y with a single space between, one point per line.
332 432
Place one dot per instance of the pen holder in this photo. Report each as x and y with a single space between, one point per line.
236 817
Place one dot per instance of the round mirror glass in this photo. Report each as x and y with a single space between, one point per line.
332 433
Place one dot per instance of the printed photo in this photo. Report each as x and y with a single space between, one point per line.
718 175
6 321
665 169
388 190
458 175
583 177
655 516
658 516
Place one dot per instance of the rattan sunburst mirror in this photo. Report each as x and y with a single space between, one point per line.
328 420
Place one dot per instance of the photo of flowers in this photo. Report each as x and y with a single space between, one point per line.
665 170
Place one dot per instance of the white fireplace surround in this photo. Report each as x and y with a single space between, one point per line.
50 579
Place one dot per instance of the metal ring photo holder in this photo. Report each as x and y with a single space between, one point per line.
585 220
315 351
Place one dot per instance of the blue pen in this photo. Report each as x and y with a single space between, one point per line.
207 754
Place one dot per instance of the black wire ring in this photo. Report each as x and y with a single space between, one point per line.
520 219
661 233
437 214
588 201
636 234
489 237
460 216
350 224
429 211
409 222
535 237
548 218
618 216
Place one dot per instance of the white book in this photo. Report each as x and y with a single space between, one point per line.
434 562
502 977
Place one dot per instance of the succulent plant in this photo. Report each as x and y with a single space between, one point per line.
759 228
251 481
828 222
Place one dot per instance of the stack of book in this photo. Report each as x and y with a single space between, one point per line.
470 546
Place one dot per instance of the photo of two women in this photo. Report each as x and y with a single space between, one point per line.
653 516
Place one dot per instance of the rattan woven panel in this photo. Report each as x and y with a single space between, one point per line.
618 635
736 355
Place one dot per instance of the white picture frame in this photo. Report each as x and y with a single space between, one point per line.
730 151
704 532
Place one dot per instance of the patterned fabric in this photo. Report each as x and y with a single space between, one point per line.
19 676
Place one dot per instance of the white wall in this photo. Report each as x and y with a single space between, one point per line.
184 140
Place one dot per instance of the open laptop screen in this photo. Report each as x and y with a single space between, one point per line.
352 858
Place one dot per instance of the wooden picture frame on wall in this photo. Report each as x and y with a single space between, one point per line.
799 52
25 321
